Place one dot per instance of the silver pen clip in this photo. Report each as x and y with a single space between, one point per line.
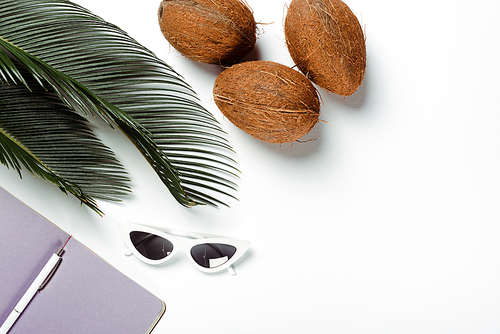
53 271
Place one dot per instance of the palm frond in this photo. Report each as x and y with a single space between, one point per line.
42 135
141 94
81 98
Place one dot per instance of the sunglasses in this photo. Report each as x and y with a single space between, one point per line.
209 253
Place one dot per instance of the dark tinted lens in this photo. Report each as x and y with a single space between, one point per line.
212 255
150 245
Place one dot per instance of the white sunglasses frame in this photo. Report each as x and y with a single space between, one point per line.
173 236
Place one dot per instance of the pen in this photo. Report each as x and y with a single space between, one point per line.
38 284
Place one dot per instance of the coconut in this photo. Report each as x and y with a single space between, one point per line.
208 31
267 100
326 42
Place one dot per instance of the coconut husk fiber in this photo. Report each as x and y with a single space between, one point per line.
209 31
267 100
326 42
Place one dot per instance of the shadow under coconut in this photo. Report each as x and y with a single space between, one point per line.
214 70
357 101
304 148
211 69
253 55
312 143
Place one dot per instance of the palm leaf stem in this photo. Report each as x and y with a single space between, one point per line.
81 98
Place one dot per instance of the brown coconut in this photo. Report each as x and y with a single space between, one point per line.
267 100
208 31
327 43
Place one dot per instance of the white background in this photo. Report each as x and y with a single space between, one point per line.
387 223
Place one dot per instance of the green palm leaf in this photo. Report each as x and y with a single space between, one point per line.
45 137
96 67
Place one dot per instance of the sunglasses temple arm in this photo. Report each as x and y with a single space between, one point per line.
127 252
231 270
188 234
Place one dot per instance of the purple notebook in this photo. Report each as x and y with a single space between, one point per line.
85 295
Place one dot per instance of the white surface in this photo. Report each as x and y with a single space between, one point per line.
387 223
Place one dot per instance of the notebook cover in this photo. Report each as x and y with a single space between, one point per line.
86 295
